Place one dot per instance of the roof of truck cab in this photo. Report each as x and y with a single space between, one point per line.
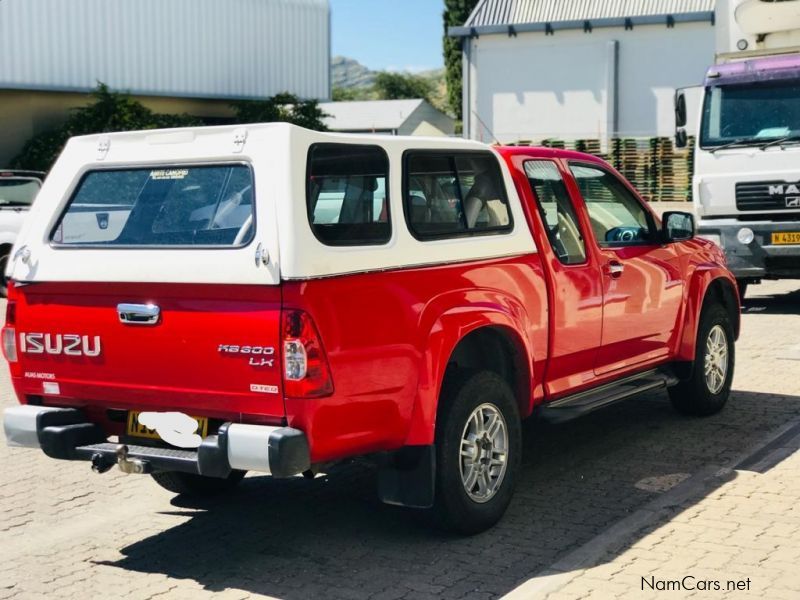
768 68
544 152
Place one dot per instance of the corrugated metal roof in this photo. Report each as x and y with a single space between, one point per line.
517 12
201 48
368 115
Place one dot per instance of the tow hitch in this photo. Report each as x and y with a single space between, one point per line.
102 462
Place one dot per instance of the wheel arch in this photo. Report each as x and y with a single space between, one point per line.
490 342
712 285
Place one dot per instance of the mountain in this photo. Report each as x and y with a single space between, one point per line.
348 73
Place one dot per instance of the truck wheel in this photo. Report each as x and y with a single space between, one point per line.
3 278
478 446
742 285
707 390
196 485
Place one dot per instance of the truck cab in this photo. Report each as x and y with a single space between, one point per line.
746 175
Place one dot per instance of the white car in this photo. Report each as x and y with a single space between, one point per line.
17 191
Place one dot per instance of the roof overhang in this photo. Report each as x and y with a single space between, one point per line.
587 25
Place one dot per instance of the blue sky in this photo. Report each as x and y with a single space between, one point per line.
389 34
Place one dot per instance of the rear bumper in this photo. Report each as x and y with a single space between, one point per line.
760 258
65 433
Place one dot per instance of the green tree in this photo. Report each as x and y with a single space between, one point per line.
113 111
342 94
108 111
393 86
281 107
455 14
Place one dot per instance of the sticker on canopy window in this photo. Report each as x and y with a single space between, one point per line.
169 173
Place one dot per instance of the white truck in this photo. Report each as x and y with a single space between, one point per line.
746 182
17 192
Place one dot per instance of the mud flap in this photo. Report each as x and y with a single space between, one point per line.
407 477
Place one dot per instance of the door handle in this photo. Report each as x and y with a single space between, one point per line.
138 314
614 269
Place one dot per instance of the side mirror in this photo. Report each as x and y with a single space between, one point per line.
677 226
680 109
681 140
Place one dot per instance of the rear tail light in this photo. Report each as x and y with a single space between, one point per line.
10 344
305 368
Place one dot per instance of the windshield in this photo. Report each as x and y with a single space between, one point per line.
750 114
165 206
18 191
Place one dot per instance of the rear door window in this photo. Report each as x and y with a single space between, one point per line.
161 207
347 196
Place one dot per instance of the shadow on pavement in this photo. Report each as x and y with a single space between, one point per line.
330 537
776 304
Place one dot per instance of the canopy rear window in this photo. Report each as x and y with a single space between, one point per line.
175 206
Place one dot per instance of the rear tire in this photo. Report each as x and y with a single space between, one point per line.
709 386
478 447
190 484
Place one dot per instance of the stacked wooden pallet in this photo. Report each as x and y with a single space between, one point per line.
654 166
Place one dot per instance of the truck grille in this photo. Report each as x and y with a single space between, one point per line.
767 195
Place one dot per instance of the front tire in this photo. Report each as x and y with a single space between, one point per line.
478 446
197 486
708 388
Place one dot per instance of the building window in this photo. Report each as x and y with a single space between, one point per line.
347 194
454 194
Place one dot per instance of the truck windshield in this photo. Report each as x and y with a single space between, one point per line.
751 114
18 191
160 207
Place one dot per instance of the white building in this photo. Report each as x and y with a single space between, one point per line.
396 117
572 69
174 56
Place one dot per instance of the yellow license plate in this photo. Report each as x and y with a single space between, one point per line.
786 237
136 429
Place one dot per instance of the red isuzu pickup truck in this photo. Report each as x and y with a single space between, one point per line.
194 304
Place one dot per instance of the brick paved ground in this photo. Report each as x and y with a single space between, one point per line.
743 538
67 532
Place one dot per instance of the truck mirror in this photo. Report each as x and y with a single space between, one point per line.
677 226
680 109
681 140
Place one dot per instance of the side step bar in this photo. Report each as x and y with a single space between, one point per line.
575 405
